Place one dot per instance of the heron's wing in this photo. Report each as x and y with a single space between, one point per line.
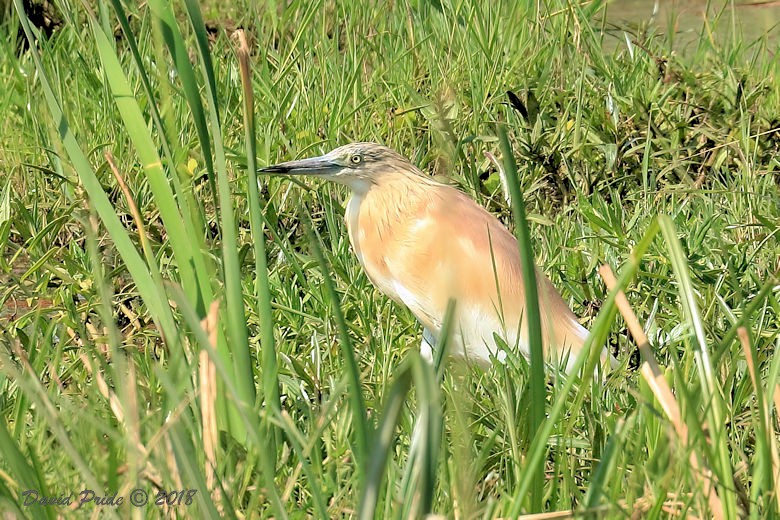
454 248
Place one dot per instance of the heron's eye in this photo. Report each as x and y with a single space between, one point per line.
356 159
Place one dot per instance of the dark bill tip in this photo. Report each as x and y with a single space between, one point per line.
311 166
275 168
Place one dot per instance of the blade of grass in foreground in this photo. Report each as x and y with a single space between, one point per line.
152 293
24 472
269 374
531 315
194 217
712 400
359 419
662 393
250 420
164 17
237 332
422 467
383 442
596 338
189 260
766 472
257 225
30 383
234 343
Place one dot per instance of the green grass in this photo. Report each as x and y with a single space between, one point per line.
314 401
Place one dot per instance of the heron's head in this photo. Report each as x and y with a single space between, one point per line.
358 165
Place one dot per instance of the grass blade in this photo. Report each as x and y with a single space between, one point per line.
257 225
532 315
166 21
712 400
187 257
152 293
593 343
383 441
359 419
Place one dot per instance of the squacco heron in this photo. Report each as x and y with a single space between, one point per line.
423 243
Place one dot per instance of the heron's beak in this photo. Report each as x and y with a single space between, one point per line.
313 166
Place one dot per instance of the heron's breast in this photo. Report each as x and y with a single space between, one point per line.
366 242
379 234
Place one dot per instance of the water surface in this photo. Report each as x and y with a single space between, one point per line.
688 21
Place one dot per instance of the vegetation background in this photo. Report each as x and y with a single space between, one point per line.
129 206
